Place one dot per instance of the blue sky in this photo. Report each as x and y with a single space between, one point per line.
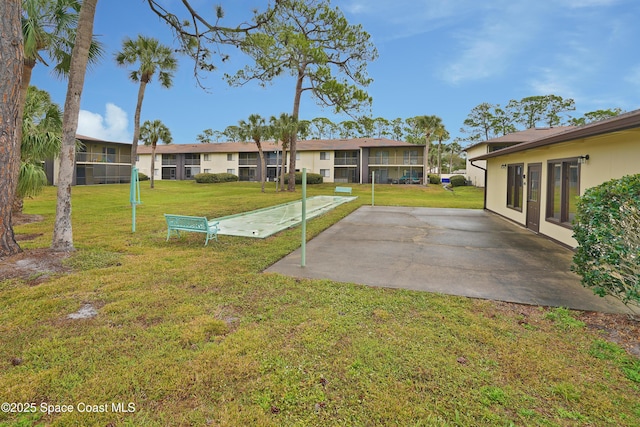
440 57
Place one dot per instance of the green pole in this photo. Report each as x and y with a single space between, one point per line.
303 248
373 185
134 196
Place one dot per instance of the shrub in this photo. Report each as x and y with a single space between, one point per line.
226 177
142 177
606 229
458 181
205 178
434 179
312 178
208 178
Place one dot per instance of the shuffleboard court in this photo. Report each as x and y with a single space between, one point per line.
263 223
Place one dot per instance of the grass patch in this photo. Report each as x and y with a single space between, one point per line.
563 319
90 259
194 335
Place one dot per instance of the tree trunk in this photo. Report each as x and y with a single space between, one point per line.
284 163
27 70
439 156
153 163
451 161
136 125
263 166
292 144
427 169
11 58
62 231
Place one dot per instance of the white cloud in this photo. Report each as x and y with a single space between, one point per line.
550 81
112 127
408 18
488 48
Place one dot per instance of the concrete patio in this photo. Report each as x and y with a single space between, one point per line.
463 252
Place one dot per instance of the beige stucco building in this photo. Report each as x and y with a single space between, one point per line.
337 160
475 172
536 183
97 162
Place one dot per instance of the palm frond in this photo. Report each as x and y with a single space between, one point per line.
31 180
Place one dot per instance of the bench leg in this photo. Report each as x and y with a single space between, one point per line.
169 233
209 236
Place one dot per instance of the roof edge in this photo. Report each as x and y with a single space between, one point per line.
619 123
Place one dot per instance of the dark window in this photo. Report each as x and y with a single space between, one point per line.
169 160
563 190
192 159
247 159
514 186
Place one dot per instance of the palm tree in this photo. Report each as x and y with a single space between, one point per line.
454 149
428 125
284 129
49 26
62 230
256 129
441 134
152 57
151 133
41 140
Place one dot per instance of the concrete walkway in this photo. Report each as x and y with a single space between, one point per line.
452 251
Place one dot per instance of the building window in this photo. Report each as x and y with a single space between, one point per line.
325 155
563 191
169 160
229 157
514 186
231 171
325 172
206 157
109 154
247 159
192 159
207 171
381 158
410 157
191 171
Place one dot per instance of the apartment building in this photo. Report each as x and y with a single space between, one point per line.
337 160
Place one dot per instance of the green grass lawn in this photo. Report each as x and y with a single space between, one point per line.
194 335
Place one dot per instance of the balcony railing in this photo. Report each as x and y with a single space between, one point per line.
345 161
84 157
192 162
169 162
248 162
274 162
396 160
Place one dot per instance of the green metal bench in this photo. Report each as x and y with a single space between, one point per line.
197 224
346 190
